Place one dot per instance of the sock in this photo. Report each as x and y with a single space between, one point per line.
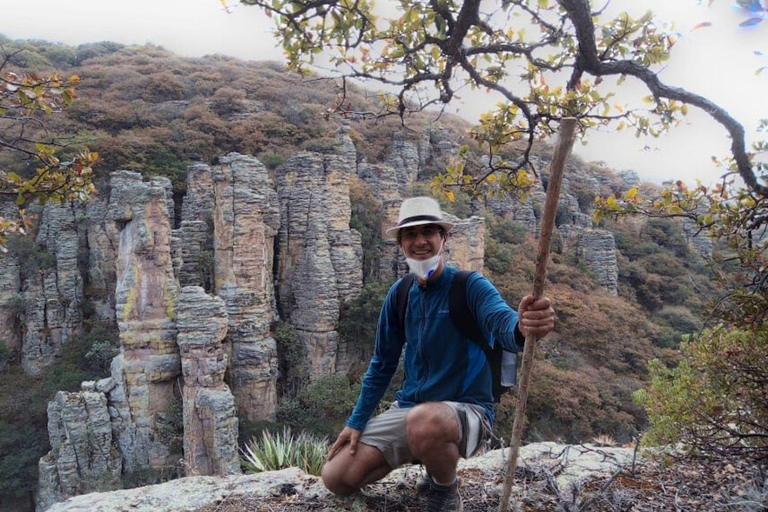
441 484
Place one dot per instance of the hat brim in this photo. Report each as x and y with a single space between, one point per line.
392 232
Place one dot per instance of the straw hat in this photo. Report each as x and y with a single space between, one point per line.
416 211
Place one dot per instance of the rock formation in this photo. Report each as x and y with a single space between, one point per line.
101 277
84 456
210 424
53 291
320 257
11 299
597 250
246 218
466 246
146 295
407 158
576 466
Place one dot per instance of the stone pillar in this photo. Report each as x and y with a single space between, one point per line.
466 247
320 257
53 292
84 457
246 220
210 423
146 299
597 250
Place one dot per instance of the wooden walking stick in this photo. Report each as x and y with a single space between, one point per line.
563 147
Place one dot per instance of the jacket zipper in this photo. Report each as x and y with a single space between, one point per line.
422 327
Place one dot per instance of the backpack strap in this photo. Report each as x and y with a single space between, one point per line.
464 319
401 300
461 315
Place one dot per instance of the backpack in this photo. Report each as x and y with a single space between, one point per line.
465 321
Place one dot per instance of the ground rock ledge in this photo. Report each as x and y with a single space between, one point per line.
203 493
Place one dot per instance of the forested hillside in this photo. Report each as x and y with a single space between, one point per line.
146 110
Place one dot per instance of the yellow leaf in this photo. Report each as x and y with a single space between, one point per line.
630 193
450 195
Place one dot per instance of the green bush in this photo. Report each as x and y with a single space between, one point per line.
21 446
507 231
715 402
272 160
170 429
33 259
322 408
292 358
275 451
367 214
104 346
359 318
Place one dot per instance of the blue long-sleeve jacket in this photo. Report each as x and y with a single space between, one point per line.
440 363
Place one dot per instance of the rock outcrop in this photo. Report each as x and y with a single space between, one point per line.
320 258
210 424
101 276
276 489
146 295
11 299
466 246
597 250
246 219
407 158
53 292
84 456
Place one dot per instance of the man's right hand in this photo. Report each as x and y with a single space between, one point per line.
348 435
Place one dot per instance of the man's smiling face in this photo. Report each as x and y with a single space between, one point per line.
421 242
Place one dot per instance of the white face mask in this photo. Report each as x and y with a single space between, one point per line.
424 269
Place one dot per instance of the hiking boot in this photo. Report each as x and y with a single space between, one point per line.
424 483
444 498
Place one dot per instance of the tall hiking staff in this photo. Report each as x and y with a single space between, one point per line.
563 147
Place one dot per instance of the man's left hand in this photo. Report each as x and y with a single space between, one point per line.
536 316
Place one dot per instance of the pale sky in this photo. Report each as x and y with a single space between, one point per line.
717 61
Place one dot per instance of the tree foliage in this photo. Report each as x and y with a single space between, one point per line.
716 401
427 51
25 98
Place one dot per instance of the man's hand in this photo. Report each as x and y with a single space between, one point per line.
350 435
536 316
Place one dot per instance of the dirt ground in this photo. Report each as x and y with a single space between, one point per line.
683 485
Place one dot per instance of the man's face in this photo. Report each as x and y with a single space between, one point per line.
421 242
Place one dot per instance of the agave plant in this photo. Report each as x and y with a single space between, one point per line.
273 451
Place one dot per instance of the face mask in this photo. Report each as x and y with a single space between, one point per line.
424 269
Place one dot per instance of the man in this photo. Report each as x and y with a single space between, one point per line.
445 408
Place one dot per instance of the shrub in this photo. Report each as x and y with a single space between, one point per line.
292 357
274 451
321 408
367 214
359 317
272 160
33 258
21 446
507 231
715 402
170 429
104 346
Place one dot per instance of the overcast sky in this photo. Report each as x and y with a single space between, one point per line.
717 61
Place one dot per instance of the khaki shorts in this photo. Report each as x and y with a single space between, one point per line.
387 432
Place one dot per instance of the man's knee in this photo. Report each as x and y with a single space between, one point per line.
345 473
431 423
334 480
